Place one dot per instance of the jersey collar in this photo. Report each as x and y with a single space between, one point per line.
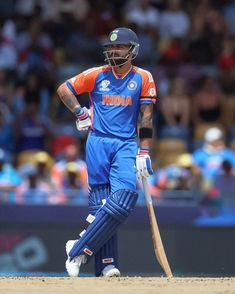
121 77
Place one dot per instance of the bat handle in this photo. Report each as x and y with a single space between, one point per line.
147 194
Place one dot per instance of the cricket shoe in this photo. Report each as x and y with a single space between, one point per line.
110 271
73 266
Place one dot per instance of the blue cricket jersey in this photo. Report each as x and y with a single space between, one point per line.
114 100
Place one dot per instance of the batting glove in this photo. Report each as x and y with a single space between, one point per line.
143 164
83 121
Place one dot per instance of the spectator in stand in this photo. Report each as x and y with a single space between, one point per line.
208 159
219 199
36 173
7 8
32 88
54 9
229 12
208 103
6 131
32 130
5 94
8 53
143 15
104 16
177 176
32 190
63 65
227 83
143 18
206 58
216 26
26 8
176 106
148 54
226 62
83 46
225 180
44 163
224 183
9 180
199 15
35 48
208 30
71 154
72 185
174 22
173 53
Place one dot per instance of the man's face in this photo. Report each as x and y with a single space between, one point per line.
117 55
118 51
217 145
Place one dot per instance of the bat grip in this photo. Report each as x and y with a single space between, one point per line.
147 194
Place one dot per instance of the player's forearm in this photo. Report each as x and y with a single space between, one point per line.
146 126
145 143
68 98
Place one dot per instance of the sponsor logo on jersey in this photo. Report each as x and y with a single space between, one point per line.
132 85
116 100
152 92
104 85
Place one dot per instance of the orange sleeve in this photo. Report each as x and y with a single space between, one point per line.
148 92
83 82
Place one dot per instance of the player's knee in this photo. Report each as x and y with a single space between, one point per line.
97 197
120 204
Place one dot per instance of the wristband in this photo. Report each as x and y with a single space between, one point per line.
142 151
145 133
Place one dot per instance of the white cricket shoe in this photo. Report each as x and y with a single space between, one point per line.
73 266
110 271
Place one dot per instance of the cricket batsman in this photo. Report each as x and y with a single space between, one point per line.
119 93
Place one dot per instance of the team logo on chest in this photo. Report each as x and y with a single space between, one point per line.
104 86
132 85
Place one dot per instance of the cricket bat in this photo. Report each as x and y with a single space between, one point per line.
156 237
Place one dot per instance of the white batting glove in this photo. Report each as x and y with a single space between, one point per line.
83 121
143 164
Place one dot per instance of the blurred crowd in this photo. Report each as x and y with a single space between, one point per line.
189 47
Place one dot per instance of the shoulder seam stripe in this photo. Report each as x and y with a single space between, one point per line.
150 97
